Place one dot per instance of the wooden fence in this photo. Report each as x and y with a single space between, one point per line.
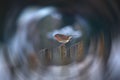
63 55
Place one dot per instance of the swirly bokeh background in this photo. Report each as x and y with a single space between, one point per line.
29 51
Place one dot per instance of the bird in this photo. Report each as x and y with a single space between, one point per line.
61 38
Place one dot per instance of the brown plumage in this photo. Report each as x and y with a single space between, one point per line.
62 38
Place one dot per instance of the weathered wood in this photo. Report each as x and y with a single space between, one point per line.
48 56
80 51
76 53
45 56
62 55
73 52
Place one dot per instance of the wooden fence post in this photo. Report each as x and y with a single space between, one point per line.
63 56
80 51
46 56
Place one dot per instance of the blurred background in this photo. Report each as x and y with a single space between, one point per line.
28 26
77 17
